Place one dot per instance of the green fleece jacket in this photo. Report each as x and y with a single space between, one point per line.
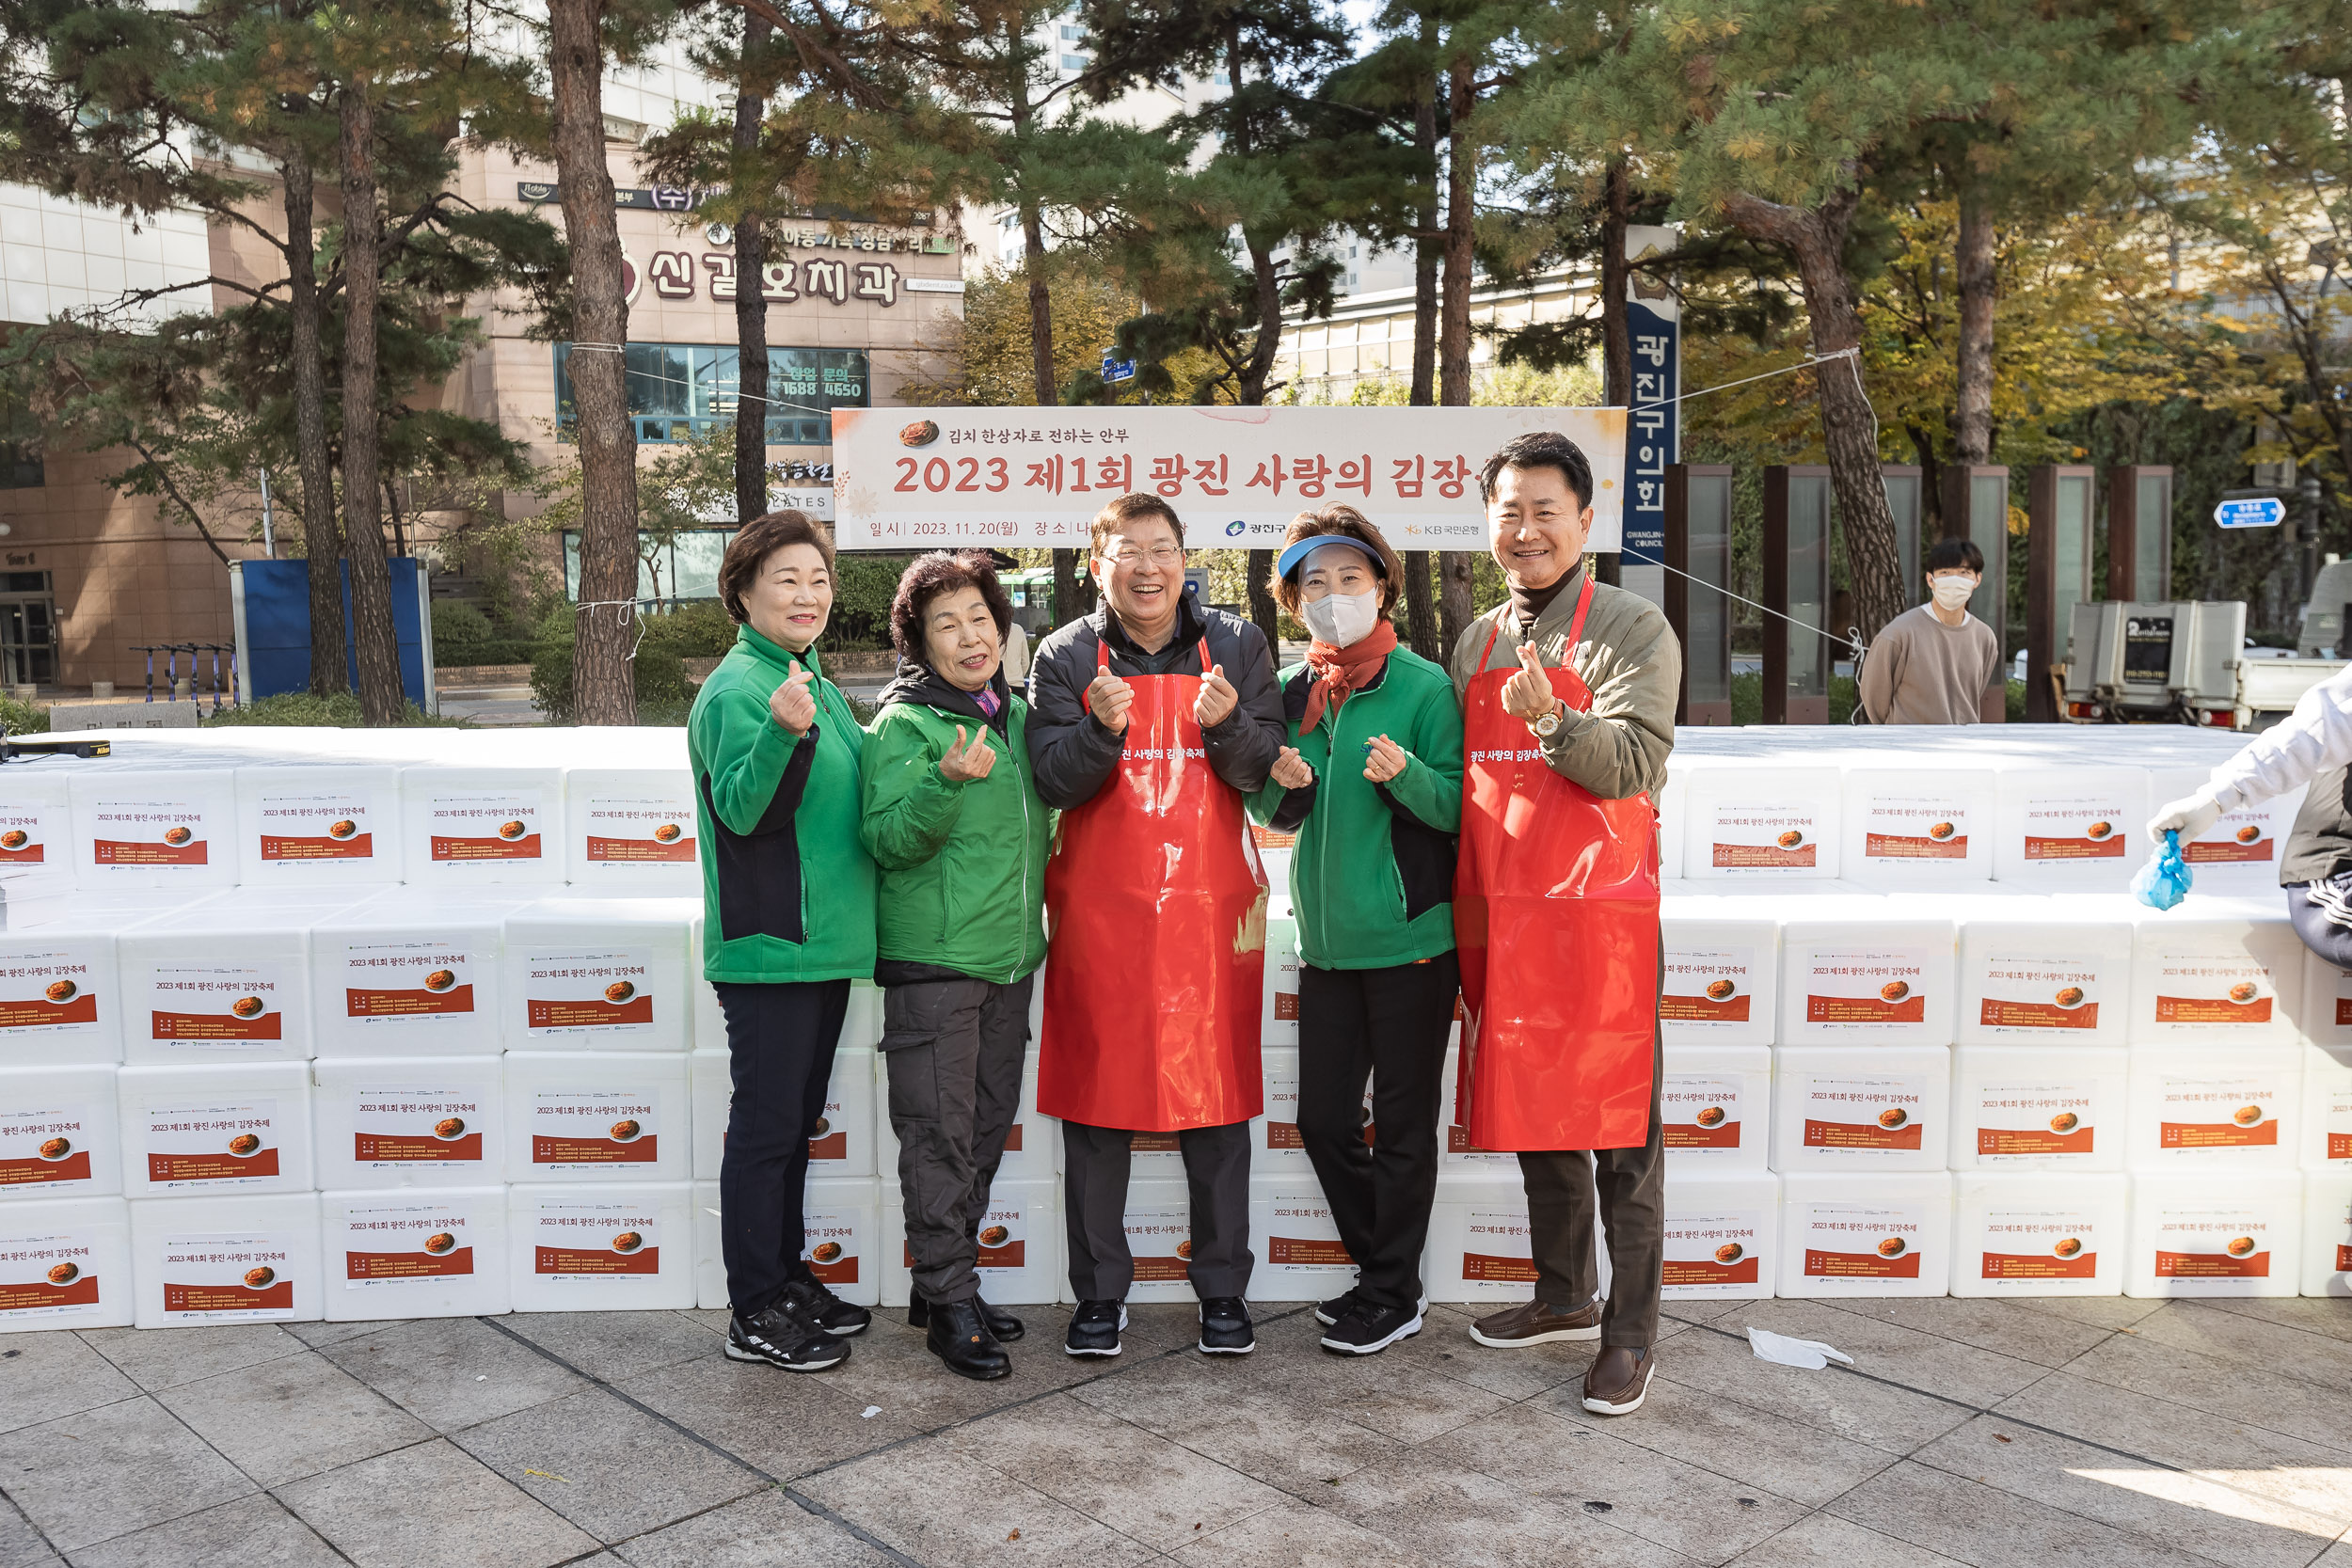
1371 875
963 861
787 887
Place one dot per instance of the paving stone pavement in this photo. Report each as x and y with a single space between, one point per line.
2138 1435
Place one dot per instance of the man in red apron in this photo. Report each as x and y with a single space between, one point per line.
1149 721
1568 695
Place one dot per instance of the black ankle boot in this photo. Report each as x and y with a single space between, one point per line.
958 1336
1001 1324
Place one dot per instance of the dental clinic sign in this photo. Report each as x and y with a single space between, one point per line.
921 479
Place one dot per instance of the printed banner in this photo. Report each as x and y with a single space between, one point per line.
46 1149
592 1240
229 1278
407 1127
596 1128
503 827
403 1241
315 827
1706 986
47 1276
1160 1241
627 831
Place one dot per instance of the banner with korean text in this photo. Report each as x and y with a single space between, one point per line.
911 479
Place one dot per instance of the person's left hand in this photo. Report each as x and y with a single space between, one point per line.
1527 696
1384 759
1217 697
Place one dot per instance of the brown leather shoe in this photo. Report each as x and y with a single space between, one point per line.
1532 1322
1618 1380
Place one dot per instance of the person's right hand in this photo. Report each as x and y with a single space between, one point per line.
2191 816
964 763
793 704
1291 769
1109 698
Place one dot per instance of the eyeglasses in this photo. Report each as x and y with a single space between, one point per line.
1159 555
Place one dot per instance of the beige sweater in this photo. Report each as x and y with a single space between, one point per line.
1921 671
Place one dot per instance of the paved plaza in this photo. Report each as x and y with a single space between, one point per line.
2089 1432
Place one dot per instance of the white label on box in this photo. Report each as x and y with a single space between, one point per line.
2040 1244
595 1241
1914 828
632 831
1866 1114
227 1278
1281 1111
1708 988
1858 1241
391 980
31 834
501 826
395 1128
2078 827
2219 1113
316 826
831 1245
2339 1011
1863 991
2335 1111
145 834
2216 1243
1766 836
52 1275
2213 990
2249 835
574 993
2035 1120
1714 1252
399 1243
210 1146
831 1141
1701 1113
43 1151
603 1127
48 994
1004 1238
1499 1247
2025 994
1301 1234
1160 1241
219 1005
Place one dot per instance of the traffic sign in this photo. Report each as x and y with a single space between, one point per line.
1116 370
2251 511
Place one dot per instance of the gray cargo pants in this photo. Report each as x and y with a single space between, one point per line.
953 1049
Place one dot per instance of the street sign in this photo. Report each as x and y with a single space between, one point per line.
1116 370
2251 511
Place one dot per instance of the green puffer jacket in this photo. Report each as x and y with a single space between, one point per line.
963 862
788 888
1372 876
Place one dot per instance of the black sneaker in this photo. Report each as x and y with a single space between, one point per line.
1225 1328
1371 1328
1330 1313
781 1339
809 1301
1095 1328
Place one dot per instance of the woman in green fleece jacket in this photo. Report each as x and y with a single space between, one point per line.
953 818
788 921
1372 784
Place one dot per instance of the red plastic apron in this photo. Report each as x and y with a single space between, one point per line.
1155 909
1556 911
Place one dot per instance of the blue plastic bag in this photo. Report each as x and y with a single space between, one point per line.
2164 882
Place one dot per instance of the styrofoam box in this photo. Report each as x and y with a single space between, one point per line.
1159 1239
710 1260
1917 826
1277 1019
2200 1234
710 1075
1032 1146
198 1262
597 1116
841 1223
861 1026
338 823
2327 1233
2222 981
1479 1246
60 1133
59 995
1722 1236
620 1246
37 820
630 830
2049 982
1275 1145
2239 853
2035 1107
2032 1233
415 973
2065 827
1867 1234
1750 824
844 1144
1455 1152
1672 808
1715 1104
1300 1257
225 980
2235 1110
64 1263
155 828
599 975
1861 1107
2325 1017
474 826
415 1252
1868 976
1722 971
234 1129
2327 1139
409 1121
1020 1257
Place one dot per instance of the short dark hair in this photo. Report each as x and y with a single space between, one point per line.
1540 449
925 578
1339 517
1115 517
755 542
1945 554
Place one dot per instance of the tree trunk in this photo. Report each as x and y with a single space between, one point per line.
321 541
1250 391
1455 606
603 637
1421 606
373 639
1972 431
1816 239
1616 340
751 301
1072 597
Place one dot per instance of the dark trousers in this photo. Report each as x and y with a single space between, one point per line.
1095 1164
1631 1189
780 1045
953 1049
1388 1026
2322 936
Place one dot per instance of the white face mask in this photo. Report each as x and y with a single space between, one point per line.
1342 619
1952 592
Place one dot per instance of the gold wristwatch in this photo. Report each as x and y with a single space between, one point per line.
1547 725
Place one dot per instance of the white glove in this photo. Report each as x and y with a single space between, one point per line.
1786 1351
2192 818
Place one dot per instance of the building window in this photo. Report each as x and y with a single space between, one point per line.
19 446
679 392
1221 80
1073 35
1073 62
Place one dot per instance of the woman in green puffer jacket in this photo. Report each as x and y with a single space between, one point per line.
952 817
1372 786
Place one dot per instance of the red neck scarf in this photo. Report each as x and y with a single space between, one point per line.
1339 671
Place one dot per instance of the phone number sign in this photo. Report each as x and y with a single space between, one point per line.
922 479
